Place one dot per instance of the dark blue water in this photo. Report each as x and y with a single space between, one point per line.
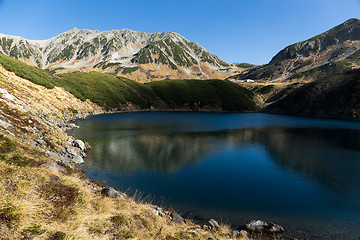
301 173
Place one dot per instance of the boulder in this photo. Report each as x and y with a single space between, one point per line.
77 159
110 192
79 144
214 225
263 227
176 218
54 166
71 150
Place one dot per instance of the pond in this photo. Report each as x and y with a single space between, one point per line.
301 173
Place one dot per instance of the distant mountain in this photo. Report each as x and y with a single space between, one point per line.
138 55
341 43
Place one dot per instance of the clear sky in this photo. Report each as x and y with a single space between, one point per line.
235 30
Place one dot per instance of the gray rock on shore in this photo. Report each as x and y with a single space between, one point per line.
214 225
260 226
77 159
80 144
176 218
71 150
111 192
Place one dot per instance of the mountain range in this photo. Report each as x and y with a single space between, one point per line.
139 55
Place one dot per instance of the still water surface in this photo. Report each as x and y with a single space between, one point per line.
301 173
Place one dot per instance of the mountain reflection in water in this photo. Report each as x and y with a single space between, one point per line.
303 150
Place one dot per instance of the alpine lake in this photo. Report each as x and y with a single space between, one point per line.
301 173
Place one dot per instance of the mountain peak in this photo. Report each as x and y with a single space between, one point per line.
149 56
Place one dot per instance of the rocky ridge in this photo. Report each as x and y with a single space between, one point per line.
139 55
339 44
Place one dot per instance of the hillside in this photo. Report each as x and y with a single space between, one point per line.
140 56
122 94
336 96
341 43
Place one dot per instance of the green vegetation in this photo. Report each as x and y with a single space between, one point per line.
34 229
118 93
266 89
130 70
34 74
112 93
355 56
337 53
9 215
104 65
245 65
324 70
196 94
102 89
8 154
143 56
6 145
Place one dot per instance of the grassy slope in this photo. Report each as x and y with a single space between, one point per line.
111 92
35 75
119 93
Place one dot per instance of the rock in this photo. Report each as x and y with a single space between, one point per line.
54 166
236 233
110 192
214 225
4 124
79 144
77 159
156 212
240 234
176 218
71 150
211 238
87 146
71 126
41 142
244 234
263 227
48 153
82 154
55 178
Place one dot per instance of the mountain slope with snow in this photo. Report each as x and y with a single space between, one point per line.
139 55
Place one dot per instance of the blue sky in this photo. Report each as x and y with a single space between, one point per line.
235 30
